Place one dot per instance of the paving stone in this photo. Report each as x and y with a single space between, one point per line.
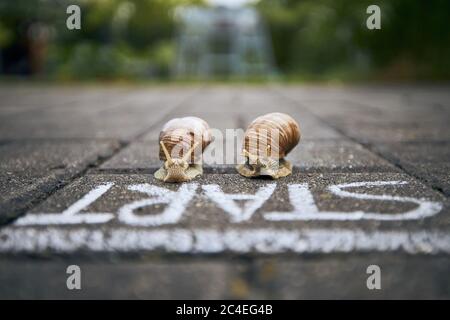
429 161
340 277
346 112
388 131
368 132
311 128
125 116
219 107
310 235
418 152
71 101
309 155
315 277
235 109
27 279
131 280
143 156
48 154
18 190
29 170
137 156
336 155
204 221
394 97
431 97
435 175
388 96
367 124
218 122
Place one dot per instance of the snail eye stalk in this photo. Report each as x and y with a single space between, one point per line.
272 162
166 152
181 130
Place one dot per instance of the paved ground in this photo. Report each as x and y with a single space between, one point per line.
370 187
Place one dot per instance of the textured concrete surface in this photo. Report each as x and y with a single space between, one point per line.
316 277
30 170
370 187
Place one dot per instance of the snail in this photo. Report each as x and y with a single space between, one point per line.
180 140
267 141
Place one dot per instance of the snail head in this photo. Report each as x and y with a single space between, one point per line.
262 164
176 169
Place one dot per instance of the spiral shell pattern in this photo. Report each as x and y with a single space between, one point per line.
180 134
278 130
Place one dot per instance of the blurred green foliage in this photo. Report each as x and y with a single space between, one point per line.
128 39
329 38
312 39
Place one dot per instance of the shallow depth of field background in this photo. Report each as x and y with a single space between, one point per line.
307 40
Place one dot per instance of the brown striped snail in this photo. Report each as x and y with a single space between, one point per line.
179 142
267 141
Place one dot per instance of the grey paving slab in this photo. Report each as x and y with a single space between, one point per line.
29 170
304 213
219 107
346 111
47 155
382 96
228 108
435 175
393 97
339 275
428 161
218 122
310 155
407 127
63 97
336 155
18 190
345 277
368 124
311 235
59 103
418 152
122 116
218 99
311 127
201 279
433 97
375 132
143 156
315 277
140 155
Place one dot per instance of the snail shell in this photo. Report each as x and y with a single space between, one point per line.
182 141
267 141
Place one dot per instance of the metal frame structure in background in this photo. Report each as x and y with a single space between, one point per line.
222 41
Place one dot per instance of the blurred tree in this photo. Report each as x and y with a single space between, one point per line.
326 37
118 38
311 38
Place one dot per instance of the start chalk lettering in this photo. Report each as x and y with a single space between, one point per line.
176 202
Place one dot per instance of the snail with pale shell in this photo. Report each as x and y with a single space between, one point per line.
267 141
182 141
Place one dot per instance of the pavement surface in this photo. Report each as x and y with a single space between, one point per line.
370 186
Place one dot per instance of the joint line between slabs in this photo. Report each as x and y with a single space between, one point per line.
366 146
94 164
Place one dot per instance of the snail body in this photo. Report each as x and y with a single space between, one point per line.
267 141
182 141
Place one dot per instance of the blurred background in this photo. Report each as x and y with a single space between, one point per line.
171 40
